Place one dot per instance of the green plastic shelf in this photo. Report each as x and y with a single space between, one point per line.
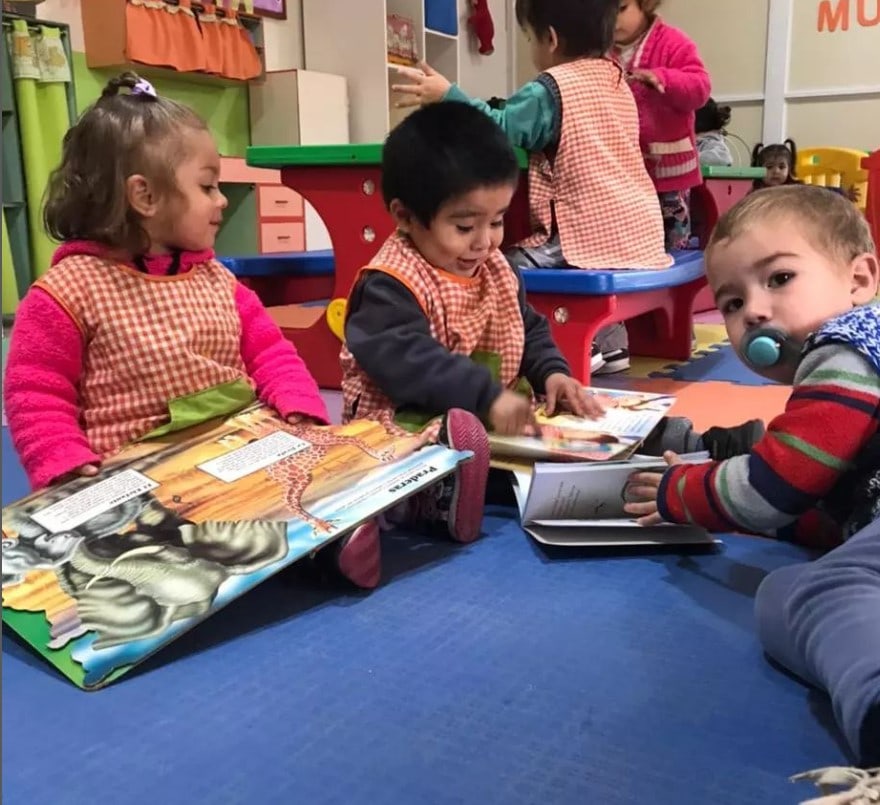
724 172
284 156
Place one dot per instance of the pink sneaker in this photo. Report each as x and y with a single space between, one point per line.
457 500
358 555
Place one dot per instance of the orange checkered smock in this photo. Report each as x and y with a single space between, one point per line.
467 315
605 205
150 339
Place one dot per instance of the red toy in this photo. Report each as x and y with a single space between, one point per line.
481 23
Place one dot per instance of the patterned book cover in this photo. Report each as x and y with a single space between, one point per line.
99 573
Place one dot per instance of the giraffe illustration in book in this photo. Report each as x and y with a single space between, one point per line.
295 473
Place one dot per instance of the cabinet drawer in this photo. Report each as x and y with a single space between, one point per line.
234 170
289 236
278 201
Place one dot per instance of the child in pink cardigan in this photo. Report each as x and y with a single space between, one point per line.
136 329
670 84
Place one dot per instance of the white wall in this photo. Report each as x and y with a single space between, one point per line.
283 40
485 76
68 12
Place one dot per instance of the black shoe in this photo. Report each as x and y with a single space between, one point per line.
674 433
724 443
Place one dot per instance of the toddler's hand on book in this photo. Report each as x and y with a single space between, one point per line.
643 487
427 86
86 471
301 419
511 415
566 393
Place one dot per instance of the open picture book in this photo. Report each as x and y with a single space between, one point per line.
582 505
99 573
629 417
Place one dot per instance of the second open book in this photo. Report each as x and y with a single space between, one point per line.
576 496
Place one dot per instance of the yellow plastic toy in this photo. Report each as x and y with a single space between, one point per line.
336 317
834 167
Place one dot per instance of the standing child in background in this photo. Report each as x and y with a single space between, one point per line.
709 125
669 83
592 203
137 330
438 328
795 272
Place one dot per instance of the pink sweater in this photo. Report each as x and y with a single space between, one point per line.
666 120
47 354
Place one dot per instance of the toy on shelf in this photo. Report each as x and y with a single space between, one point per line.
401 40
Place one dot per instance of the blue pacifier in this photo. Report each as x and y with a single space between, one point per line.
767 346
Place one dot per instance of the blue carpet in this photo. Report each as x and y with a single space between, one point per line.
492 673
717 364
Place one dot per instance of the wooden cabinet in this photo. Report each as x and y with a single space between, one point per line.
296 107
263 216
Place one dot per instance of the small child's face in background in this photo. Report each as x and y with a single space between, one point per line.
631 22
773 276
778 169
194 214
465 230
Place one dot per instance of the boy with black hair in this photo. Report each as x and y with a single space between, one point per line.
438 331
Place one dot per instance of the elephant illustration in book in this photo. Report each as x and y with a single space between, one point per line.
134 570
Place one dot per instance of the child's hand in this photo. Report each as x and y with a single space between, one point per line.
511 415
566 393
85 471
852 193
644 487
301 419
648 78
427 86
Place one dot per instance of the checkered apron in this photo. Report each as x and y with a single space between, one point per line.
466 315
605 204
147 340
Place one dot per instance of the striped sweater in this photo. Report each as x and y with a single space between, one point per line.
815 477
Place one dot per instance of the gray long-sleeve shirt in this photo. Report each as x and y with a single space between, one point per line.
389 336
